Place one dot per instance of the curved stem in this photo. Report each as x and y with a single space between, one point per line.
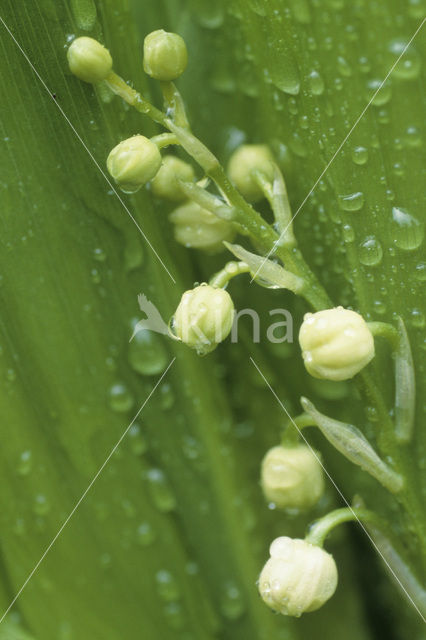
229 271
385 330
164 140
321 528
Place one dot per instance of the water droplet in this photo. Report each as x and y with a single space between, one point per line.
348 233
160 490
145 534
378 94
420 272
147 354
360 155
408 68
379 307
416 8
99 254
284 76
344 67
25 463
352 201
413 137
210 14
370 251
167 397
174 615
11 375
232 603
407 231
120 398
41 505
316 83
167 586
417 318
138 443
298 146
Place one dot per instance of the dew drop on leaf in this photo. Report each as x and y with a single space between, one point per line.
174 616
370 251
420 272
145 534
408 68
316 83
24 463
360 155
138 443
167 586
407 232
41 505
417 318
160 490
351 201
147 354
348 233
120 398
232 603
382 96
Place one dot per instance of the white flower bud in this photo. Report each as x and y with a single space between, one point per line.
164 55
197 228
165 184
245 160
89 60
292 477
203 318
299 577
336 343
134 162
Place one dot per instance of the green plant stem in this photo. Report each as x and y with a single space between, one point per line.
230 270
321 528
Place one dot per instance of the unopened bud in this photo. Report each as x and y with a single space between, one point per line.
197 228
244 161
336 343
164 55
203 318
166 182
299 577
292 477
89 60
134 162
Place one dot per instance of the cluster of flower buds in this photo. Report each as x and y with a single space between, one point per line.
292 477
298 577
